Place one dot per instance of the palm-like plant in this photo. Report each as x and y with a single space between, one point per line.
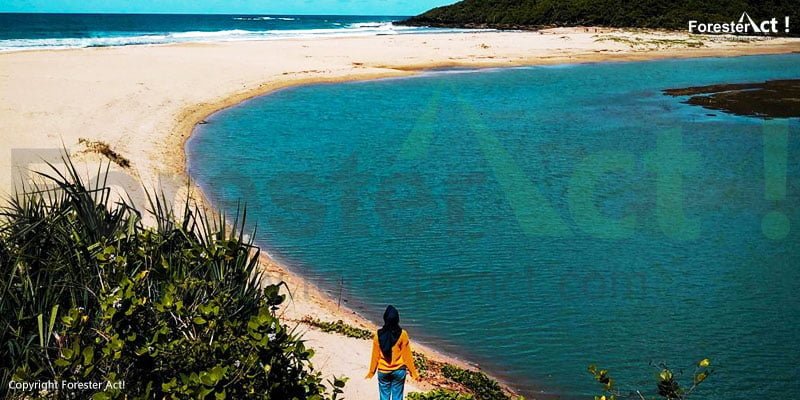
89 293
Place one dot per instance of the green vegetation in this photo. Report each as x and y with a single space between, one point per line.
175 311
478 383
532 14
638 42
667 385
339 327
420 362
440 394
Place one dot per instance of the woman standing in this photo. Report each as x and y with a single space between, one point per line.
391 357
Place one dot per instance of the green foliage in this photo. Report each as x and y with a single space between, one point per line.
483 387
652 43
667 385
339 327
611 13
174 311
439 394
420 362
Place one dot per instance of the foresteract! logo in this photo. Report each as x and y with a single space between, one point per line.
745 25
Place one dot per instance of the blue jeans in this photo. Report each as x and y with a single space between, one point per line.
390 384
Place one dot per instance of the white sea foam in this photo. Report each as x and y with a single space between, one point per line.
63 43
356 29
233 33
264 19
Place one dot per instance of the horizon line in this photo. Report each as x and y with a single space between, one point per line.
210 13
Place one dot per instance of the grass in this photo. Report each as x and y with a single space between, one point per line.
656 43
339 327
479 384
440 394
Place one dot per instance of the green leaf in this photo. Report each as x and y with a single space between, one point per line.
53 313
206 379
88 355
62 363
101 396
700 377
168 386
217 373
67 353
41 330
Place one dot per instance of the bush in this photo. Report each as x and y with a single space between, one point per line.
420 362
667 385
174 311
339 327
439 394
483 387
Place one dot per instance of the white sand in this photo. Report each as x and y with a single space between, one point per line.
144 101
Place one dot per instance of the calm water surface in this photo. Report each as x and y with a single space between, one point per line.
538 220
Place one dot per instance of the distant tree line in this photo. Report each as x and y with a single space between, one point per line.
664 14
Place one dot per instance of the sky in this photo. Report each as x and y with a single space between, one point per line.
331 7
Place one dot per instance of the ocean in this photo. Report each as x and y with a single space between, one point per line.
42 31
537 220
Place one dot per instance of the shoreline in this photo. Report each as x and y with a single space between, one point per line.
153 132
317 302
295 278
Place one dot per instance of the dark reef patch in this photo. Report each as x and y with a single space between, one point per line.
770 99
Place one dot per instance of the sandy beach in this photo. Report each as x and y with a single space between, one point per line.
144 101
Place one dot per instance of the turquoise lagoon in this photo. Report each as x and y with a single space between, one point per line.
536 220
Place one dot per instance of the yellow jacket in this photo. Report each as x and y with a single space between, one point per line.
401 357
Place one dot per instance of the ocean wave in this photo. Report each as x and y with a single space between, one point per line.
111 41
350 30
63 43
203 34
264 19
371 25
381 26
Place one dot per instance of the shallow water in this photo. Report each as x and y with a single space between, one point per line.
537 220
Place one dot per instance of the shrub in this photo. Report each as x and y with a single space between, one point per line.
339 327
174 311
439 394
667 385
483 387
420 362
